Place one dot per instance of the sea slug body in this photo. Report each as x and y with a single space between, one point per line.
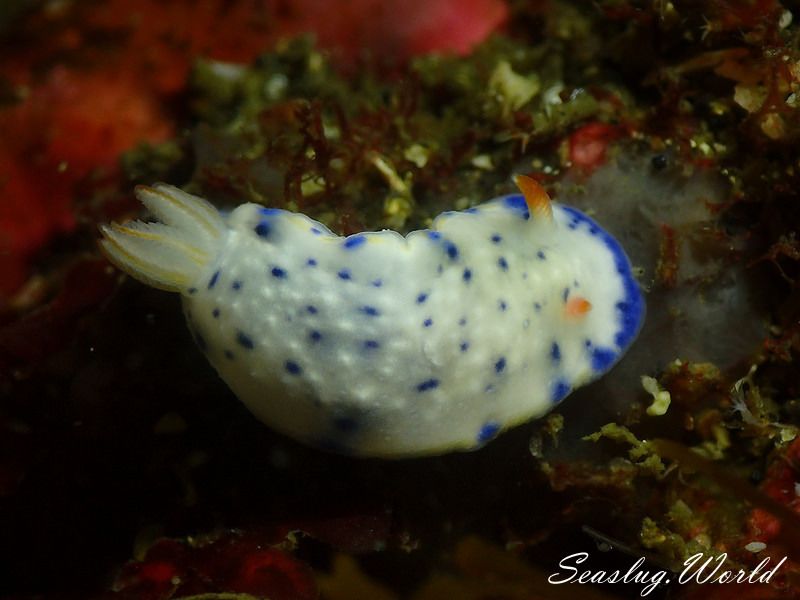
383 345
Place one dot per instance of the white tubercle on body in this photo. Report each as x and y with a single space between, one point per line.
383 345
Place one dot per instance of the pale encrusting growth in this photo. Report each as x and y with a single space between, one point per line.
384 345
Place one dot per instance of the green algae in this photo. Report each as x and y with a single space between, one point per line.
290 131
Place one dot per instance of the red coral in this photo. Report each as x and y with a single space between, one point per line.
85 120
71 125
30 212
237 564
783 475
161 40
275 574
76 122
394 31
588 145
254 562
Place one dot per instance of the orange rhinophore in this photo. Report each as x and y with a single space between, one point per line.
537 199
577 307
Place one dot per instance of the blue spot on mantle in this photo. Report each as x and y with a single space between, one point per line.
516 204
560 390
262 229
244 340
630 311
354 241
292 368
488 432
428 384
602 359
451 249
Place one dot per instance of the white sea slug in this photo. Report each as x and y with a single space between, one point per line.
383 345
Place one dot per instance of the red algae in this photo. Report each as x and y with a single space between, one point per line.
71 120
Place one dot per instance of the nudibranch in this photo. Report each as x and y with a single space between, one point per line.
379 344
